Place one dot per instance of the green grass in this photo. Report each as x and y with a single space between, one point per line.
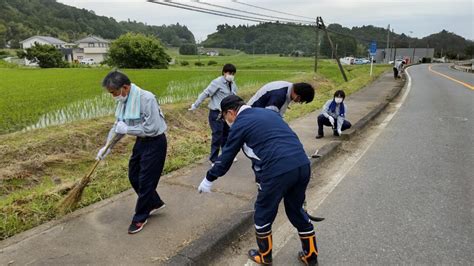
30 94
37 167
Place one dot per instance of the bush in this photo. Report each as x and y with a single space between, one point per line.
211 63
184 63
188 49
198 63
135 50
47 56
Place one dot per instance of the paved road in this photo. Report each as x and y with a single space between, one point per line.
410 197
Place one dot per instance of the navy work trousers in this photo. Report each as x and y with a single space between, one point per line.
291 187
144 171
220 131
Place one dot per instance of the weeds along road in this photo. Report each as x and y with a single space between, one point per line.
401 192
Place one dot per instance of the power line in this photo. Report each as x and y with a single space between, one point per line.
253 13
202 10
220 13
244 17
271 10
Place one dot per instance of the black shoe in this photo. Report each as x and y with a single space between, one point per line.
336 134
136 227
158 207
320 136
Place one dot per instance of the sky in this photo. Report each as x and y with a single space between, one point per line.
416 18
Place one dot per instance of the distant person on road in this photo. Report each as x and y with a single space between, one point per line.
282 167
138 114
398 68
218 89
277 95
333 114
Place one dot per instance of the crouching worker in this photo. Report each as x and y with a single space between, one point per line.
333 115
138 114
282 167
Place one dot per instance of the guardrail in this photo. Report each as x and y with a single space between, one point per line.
465 66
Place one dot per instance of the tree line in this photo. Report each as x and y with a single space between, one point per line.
21 19
287 39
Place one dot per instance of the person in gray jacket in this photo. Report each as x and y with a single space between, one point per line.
138 114
218 89
333 115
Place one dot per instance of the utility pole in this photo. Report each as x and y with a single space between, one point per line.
321 25
388 42
316 52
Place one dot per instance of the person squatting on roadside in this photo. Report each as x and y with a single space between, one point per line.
277 95
333 114
138 114
281 167
398 68
218 89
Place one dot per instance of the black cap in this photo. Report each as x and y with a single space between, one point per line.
230 102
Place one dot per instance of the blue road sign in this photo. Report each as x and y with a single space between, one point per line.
373 48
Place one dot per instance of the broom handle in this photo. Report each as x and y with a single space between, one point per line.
98 161
91 171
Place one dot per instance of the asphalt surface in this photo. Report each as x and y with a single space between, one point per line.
409 198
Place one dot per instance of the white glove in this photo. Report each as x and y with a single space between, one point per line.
121 128
102 153
339 132
331 120
193 107
205 186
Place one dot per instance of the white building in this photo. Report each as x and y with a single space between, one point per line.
212 53
28 43
91 47
60 44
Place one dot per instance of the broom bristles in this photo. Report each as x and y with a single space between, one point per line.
73 197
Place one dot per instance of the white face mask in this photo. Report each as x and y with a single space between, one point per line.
338 100
229 123
120 98
229 78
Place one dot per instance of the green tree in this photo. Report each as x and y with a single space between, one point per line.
47 56
470 51
135 50
188 49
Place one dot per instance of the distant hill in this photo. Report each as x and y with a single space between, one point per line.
285 39
20 19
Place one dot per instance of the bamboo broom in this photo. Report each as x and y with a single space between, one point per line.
75 194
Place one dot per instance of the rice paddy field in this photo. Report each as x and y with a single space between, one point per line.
36 98
53 121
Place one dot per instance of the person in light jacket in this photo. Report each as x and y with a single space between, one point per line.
333 115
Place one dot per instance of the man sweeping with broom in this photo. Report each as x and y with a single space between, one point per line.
138 114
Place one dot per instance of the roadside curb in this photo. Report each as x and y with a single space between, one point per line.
201 251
